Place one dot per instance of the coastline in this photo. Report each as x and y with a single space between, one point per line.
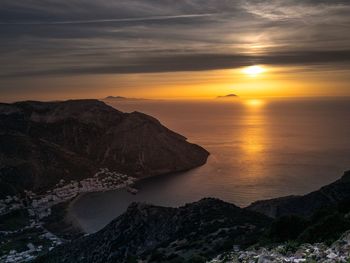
72 219
272 242
118 201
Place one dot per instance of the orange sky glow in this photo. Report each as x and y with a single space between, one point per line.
272 82
184 50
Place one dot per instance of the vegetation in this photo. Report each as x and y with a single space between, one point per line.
287 228
19 241
197 259
326 225
14 220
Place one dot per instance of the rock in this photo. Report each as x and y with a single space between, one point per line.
332 255
266 259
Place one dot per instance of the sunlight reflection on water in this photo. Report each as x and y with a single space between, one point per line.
259 149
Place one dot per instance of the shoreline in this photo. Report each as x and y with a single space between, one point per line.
72 219
263 203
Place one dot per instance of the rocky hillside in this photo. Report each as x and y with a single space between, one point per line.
327 196
200 231
339 251
162 234
44 142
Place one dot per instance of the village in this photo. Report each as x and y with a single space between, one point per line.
38 207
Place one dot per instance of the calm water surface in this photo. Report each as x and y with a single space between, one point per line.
259 149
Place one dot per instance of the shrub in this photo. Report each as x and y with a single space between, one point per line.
327 229
197 259
286 228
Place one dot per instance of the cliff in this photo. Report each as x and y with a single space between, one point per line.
44 142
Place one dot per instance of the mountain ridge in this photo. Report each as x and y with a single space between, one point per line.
305 205
162 234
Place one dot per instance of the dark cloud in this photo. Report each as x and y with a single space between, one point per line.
68 37
199 62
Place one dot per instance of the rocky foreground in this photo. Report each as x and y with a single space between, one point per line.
338 252
45 142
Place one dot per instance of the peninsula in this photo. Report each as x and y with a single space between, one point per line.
53 151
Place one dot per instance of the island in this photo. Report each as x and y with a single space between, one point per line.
121 98
229 96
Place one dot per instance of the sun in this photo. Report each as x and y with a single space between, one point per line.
254 103
253 70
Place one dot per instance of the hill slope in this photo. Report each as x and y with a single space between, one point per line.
43 142
162 234
328 196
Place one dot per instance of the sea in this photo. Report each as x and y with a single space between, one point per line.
259 149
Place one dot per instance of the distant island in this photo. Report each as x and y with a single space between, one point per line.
228 96
121 98
115 98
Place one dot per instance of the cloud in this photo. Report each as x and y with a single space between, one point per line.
310 11
98 21
198 62
68 37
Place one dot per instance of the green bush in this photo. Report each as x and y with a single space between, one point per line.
327 229
291 247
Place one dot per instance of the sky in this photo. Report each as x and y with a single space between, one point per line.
60 49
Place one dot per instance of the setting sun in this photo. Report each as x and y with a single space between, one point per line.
254 70
254 103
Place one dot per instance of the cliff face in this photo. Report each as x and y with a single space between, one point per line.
306 205
161 234
43 142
